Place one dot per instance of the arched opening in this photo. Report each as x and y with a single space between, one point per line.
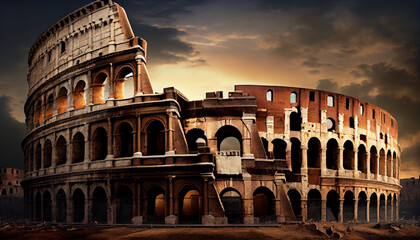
332 154
232 203
47 153
78 145
382 208
38 156
79 205
394 199
373 160
100 144
333 205
265 145
314 153
124 199
38 114
124 84
388 164
348 156
294 198
293 97
373 208
124 140
47 204
382 162
155 138
190 205
61 149
314 205
394 160
389 207
37 209
100 89
279 148
296 155
49 108
229 139
361 159
351 122
99 206
61 206
264 205
192 136
330 101
62 101
362 207
295 121
156 208
269 95
348 206
79 95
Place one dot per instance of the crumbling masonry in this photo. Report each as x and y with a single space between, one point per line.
102 147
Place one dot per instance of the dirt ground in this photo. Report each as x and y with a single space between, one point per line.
351 231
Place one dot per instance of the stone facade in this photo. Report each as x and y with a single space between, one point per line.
11 193
102 147
410 197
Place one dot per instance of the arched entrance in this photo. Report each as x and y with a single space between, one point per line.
124 140
190 205
348 156
79 95
192 137
362 207
389 207
348 206
100 144
373 160
156 208
332 154
79 205
61 149
314 205
264 205
362 159
229 139
279 148
294 197
155 138
314 153
382 208
124 83
61 206
295 121
78 151
47 204
47 153
296 155
232 203
100 89
124 199
37 209
373 208
333 206
99 206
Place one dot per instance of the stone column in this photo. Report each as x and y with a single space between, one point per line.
170 131
392 211
172 218
340 213
356 159
110 138
304 207
89 89
138 135
397 217
69 209
377 166
53 207
87 206
111 82
368 164
323 160
54 154
377 208
356 205
304 167
367 210
205 197
324 210
386 209
340 158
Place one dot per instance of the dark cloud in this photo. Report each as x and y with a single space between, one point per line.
313 62
410 156
327 85
11 135
314 71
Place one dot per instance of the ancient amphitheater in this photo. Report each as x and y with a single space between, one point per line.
102 147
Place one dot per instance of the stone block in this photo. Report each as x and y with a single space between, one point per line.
221 220
137 220
207 220
249 220
172 219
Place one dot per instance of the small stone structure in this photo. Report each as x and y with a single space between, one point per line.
410 198
102 147
11 193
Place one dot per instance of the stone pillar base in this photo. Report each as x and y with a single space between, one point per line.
137 154
249 220
221 220
208 220
281 219
137 220
170 153
172 219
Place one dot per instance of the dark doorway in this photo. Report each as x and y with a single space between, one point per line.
232 203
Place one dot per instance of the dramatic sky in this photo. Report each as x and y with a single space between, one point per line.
366 49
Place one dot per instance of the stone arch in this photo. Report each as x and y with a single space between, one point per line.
382 212
99 144
332 154
47 153
295 120
124 83
229 138
314 204
47 206
373 160
155 138
314 153
389 164
49 108
348 206
62 100
389 206
232 203
373 208
61 206
348 155
79 100
295 201
125 205
264 204
38 156
279 148
156 205
78 148
192 136
99 205
190 204
61 150
362 159
333 205
382 162
362 207
100 88
296 155
124 140
78 205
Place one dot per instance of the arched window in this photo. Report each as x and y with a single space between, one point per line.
232 203
296 155
192 136
124 140
47 153
314 153
295 121
100 88
99 205
229 139
155 138
351 122
373 160
348 156
362 159
332 154
279 149
50 107
62 101
293 97
61 149
269 95
79 95
78 148
330 101
38 156
362 110
333 205
264 204
100 144
78 205
347 103
124 84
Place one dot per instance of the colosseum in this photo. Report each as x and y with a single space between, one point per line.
102 147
